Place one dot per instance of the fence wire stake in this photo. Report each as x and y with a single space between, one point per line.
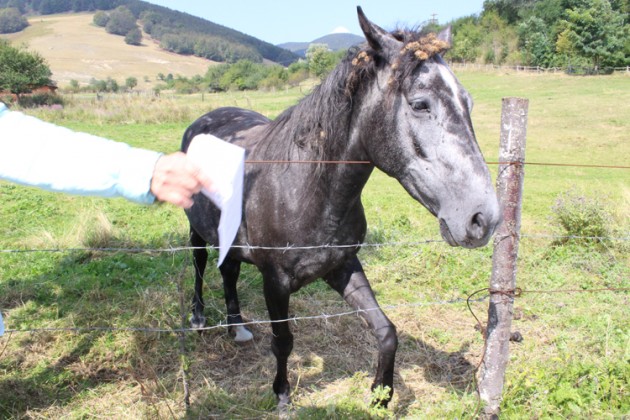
506 241
182 337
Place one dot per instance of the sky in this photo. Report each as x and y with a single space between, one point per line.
279 21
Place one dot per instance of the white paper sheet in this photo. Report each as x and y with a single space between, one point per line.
224 163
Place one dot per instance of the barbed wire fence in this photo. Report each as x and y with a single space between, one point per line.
183 329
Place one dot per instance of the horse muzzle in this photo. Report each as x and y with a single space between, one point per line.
475 232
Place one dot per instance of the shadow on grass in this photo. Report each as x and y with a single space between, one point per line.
48 370
51 371
236 380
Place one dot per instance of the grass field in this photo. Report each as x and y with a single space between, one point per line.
573 362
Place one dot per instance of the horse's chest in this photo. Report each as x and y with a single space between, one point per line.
316 263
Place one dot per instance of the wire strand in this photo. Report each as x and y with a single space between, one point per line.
292 247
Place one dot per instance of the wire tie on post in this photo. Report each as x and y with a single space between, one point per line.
517 292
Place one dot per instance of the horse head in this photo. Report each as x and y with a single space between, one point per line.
416 127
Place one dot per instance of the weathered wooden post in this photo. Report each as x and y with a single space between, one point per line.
506 241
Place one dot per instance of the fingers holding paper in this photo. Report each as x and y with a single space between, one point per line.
176 179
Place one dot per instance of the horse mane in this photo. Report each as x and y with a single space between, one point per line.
320 122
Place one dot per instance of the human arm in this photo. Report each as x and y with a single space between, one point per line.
41 154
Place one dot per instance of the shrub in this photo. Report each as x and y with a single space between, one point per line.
101 19
121 21
133 37
131 83
11 20
40 99
582 219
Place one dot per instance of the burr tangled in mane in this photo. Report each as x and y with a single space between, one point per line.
416 49
425 47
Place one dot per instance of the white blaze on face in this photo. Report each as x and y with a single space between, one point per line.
451 82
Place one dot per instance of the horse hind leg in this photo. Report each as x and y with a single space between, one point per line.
230 270
351 283
200 259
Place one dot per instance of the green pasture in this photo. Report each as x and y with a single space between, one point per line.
572 363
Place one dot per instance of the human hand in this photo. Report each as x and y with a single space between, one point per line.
176 179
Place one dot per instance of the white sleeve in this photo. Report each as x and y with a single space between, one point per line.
41 154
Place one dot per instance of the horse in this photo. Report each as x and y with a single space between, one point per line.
393 103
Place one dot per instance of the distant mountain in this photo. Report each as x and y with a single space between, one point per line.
335 42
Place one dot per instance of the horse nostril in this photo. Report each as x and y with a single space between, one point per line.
478 226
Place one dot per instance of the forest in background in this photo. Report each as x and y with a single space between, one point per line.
545 33
579 36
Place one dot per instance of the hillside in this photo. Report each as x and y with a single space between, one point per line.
176 31
335 42
76 49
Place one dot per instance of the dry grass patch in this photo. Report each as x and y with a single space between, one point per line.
76 49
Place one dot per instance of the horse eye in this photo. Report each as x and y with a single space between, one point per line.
420 106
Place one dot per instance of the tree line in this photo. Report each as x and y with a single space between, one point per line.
48 7
546 33
22 71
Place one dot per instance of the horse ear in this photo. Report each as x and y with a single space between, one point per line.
446 35
378 38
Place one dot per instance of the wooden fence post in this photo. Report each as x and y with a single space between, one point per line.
506 241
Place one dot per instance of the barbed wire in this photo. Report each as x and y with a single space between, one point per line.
222 325
248 323
289 247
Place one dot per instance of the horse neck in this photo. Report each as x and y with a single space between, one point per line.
319 129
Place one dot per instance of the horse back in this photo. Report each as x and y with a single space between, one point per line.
225 123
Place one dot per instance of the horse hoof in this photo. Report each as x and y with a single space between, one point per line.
284 403
197 322
242 335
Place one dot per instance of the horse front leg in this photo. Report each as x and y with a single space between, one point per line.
351 283
277 299
200 258
230 270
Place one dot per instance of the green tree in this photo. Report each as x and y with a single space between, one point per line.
121 21
213 76
98 85
597 32
497 37
320 60
18 4
48 7
134 37
21 70
11 20
111 85
131 83
509 10
242 75
467 40
534 43
101 18
74 85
